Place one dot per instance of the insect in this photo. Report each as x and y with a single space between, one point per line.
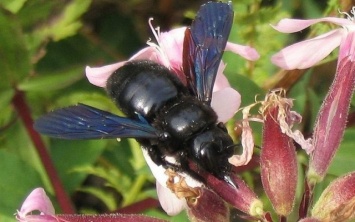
168 118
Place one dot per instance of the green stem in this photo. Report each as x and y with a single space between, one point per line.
136 188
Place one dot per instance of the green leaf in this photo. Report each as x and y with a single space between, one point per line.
17 180
69 155
6 110
6 97
108 198
15 59
53 81
67 24
247 88
12 5
343 161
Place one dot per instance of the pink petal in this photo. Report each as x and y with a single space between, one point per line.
148 53
168 200
99 75
246 52
172 44
307 53
221 81
225 103
347 47
37 200
295 25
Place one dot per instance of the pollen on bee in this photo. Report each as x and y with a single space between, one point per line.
177 184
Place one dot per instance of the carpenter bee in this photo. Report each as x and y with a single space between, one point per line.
167 117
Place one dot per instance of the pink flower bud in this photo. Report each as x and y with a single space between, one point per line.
242 197
278 156
337 202
331 121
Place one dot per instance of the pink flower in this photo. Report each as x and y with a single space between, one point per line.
307 53
167 51
37 200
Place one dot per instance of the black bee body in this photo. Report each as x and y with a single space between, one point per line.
168 118
188 126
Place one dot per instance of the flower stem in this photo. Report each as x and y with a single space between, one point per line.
24 112
306 200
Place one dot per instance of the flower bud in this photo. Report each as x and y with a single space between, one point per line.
278 155
337 202
331 121
241 197
208 206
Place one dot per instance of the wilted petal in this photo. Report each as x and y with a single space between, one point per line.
307 53
37 200
99 75
247 141
246 52
309 219
295 25
225 103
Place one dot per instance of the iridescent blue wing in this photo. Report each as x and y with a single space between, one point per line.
204 45
86 122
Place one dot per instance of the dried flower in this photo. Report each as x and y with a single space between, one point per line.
278 155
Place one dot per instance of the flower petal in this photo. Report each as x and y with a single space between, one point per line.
221 81
248 147
99 75
148 53
307 53
168 200
36 200
295 25
225 103
347 47
172 44
246 52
